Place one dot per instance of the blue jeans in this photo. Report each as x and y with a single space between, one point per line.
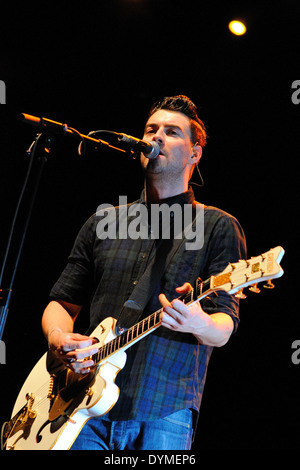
174 432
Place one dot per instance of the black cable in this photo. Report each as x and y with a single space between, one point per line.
32 153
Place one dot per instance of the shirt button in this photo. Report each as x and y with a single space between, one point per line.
135 282
144 255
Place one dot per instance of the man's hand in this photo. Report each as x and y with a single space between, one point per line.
178 316
72 349
212 330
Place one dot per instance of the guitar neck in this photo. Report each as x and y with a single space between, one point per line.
233 279
148 324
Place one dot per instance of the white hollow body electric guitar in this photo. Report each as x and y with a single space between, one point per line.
54 403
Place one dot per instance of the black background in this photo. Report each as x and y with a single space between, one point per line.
100 65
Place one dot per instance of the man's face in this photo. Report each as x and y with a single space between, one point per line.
171 130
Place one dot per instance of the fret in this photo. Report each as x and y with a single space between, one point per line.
108 347
129 336
118 342
188 297
104 349
103 352
134 331
199 287
98 357
202 287
206 285
139 329
152 321
113 347
122 338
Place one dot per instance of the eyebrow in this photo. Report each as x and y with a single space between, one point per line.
173 126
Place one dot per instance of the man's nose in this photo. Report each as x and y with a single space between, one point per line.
158 136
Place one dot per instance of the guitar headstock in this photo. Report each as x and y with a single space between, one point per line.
245 273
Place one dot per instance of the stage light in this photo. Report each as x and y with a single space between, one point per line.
237 27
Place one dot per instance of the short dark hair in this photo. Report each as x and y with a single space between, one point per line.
184 105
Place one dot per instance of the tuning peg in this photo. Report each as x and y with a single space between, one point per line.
269 285
254 289
240 295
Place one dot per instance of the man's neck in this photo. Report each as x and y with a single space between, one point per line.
154 192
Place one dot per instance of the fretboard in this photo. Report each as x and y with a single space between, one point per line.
148 324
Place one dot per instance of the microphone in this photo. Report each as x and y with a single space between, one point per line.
150 149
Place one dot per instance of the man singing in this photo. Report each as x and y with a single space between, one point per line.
161 385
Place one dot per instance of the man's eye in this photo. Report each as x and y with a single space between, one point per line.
171 132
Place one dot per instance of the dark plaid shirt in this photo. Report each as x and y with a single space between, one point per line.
165 372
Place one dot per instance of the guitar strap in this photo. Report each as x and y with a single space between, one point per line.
134 306
141 294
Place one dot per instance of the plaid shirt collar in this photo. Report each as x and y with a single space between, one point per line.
184 198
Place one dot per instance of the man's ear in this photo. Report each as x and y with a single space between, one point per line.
196 154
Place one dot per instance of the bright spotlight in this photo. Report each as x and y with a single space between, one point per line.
237 27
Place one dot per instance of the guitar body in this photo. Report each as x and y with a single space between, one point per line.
54 423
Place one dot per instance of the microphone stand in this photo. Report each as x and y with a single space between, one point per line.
45 137
5 294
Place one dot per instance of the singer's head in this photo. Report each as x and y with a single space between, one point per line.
174 124
184 105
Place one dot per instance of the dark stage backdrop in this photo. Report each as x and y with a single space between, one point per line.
101 66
